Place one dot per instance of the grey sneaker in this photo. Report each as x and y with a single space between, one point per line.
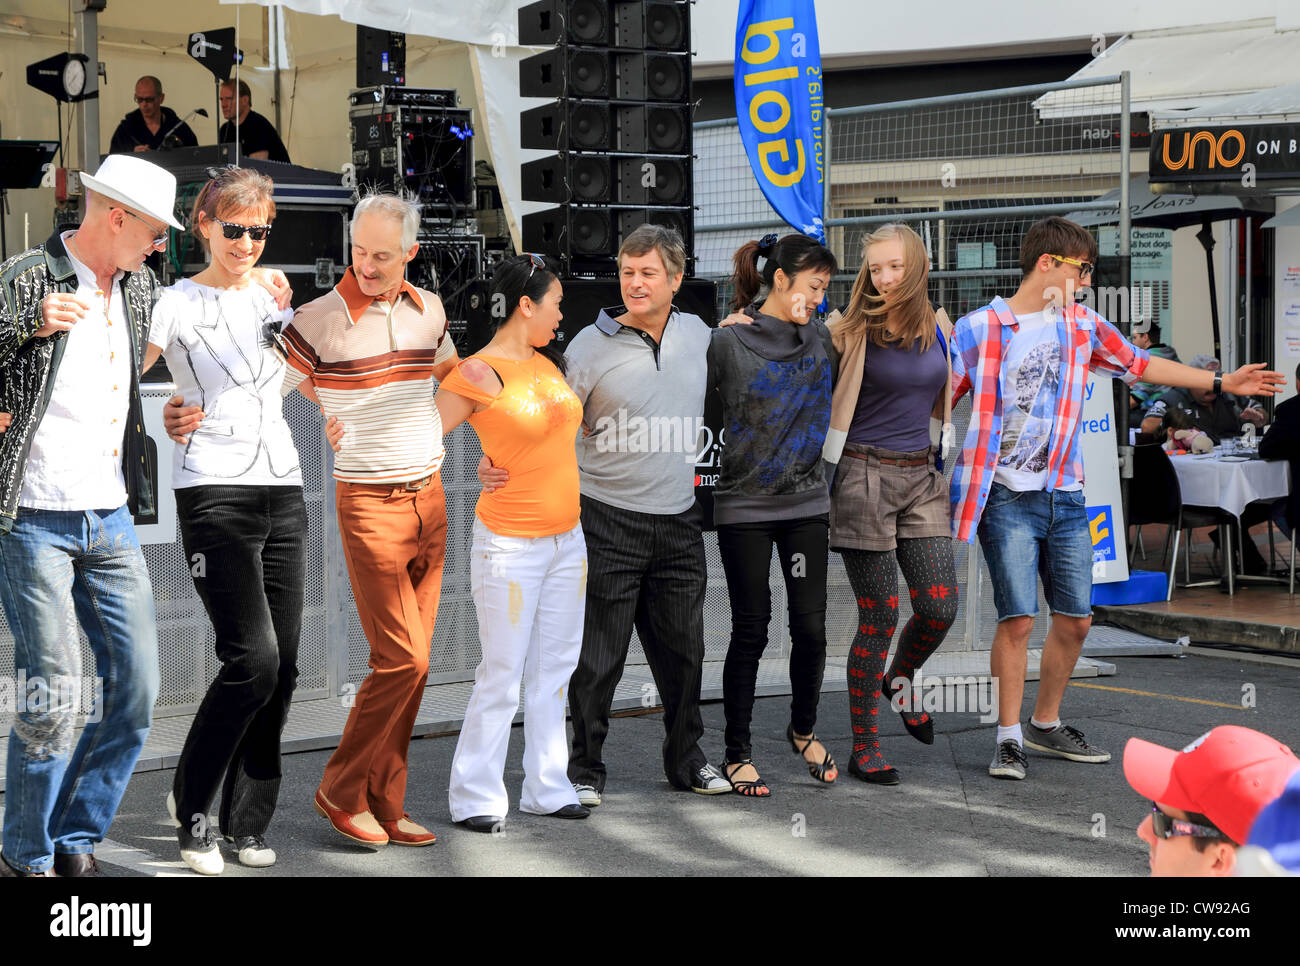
1009 761
587 795
1063 742
709 781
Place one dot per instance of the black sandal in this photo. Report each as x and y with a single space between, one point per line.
827 767
750 789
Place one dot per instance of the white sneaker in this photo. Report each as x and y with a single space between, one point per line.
587 795
202 854
171 810
253 851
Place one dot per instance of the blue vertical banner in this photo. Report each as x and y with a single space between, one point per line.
778 80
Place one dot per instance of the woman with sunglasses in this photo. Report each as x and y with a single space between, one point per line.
889 502
528 558
774 378
242 519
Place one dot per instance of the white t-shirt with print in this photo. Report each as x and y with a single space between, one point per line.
218 345
1031 376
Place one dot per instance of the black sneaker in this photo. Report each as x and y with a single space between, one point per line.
1064 742
253 851
1009 761
709 781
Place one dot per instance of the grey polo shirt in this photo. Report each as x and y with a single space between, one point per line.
643 410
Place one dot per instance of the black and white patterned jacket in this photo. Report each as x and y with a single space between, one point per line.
28 366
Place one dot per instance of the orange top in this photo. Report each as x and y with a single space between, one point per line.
529 428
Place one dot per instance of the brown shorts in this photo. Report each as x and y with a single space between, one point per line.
874 504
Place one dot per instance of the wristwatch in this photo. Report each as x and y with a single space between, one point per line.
1218 382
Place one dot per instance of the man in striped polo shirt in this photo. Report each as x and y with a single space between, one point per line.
369 352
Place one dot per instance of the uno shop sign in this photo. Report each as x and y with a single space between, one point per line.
1246 153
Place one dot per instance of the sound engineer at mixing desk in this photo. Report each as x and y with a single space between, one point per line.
257 135
150 126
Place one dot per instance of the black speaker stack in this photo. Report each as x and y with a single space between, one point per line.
381 57
620 126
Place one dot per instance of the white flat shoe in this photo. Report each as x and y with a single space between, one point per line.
205 858
253 851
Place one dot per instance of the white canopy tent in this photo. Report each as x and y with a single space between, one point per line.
489 29
1184 68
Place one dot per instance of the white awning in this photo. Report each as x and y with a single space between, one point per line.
1183 69
1273 106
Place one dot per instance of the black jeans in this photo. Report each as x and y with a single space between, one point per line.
802 546
246 550
649 570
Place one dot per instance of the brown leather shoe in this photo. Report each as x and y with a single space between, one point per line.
79 866
360 827
406 832
7 871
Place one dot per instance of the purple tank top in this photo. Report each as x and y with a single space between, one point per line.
899 387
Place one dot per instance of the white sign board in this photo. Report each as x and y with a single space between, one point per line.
1101 483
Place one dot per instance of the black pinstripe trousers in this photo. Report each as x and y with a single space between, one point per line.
649 570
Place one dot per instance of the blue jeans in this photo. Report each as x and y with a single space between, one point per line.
57 568
1037 532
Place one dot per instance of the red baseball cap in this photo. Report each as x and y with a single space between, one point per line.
1228 775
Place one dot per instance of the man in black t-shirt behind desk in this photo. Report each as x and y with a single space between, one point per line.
150 127
257 136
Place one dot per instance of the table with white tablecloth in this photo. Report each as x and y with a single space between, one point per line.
1230 482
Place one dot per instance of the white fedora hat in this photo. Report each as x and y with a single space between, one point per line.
138 184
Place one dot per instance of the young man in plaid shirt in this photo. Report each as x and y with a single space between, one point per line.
1018 482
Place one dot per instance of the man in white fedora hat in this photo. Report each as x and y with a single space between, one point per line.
74 321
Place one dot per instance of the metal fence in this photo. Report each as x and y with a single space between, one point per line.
969 173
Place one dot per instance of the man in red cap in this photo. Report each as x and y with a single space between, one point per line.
1205 797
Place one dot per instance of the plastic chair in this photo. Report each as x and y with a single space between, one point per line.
1155 497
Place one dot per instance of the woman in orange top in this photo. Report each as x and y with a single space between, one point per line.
528 559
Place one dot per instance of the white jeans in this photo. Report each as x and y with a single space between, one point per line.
530 594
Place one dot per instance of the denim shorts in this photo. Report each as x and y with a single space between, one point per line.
1043 531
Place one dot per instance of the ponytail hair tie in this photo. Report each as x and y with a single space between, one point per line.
766 244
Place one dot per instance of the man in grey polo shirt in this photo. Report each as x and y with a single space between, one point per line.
640 373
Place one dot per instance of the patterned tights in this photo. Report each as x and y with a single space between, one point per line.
928 569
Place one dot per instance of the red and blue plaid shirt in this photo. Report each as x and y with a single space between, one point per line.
980 342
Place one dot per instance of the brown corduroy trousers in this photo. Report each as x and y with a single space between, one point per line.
394 541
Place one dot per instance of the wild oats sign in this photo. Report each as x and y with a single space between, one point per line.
778 81
1243 153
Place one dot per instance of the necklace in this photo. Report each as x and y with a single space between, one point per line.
531 362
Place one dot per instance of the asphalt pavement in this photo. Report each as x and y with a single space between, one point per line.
946 818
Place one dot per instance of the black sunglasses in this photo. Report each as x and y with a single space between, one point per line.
233 231
1167 827
272 339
